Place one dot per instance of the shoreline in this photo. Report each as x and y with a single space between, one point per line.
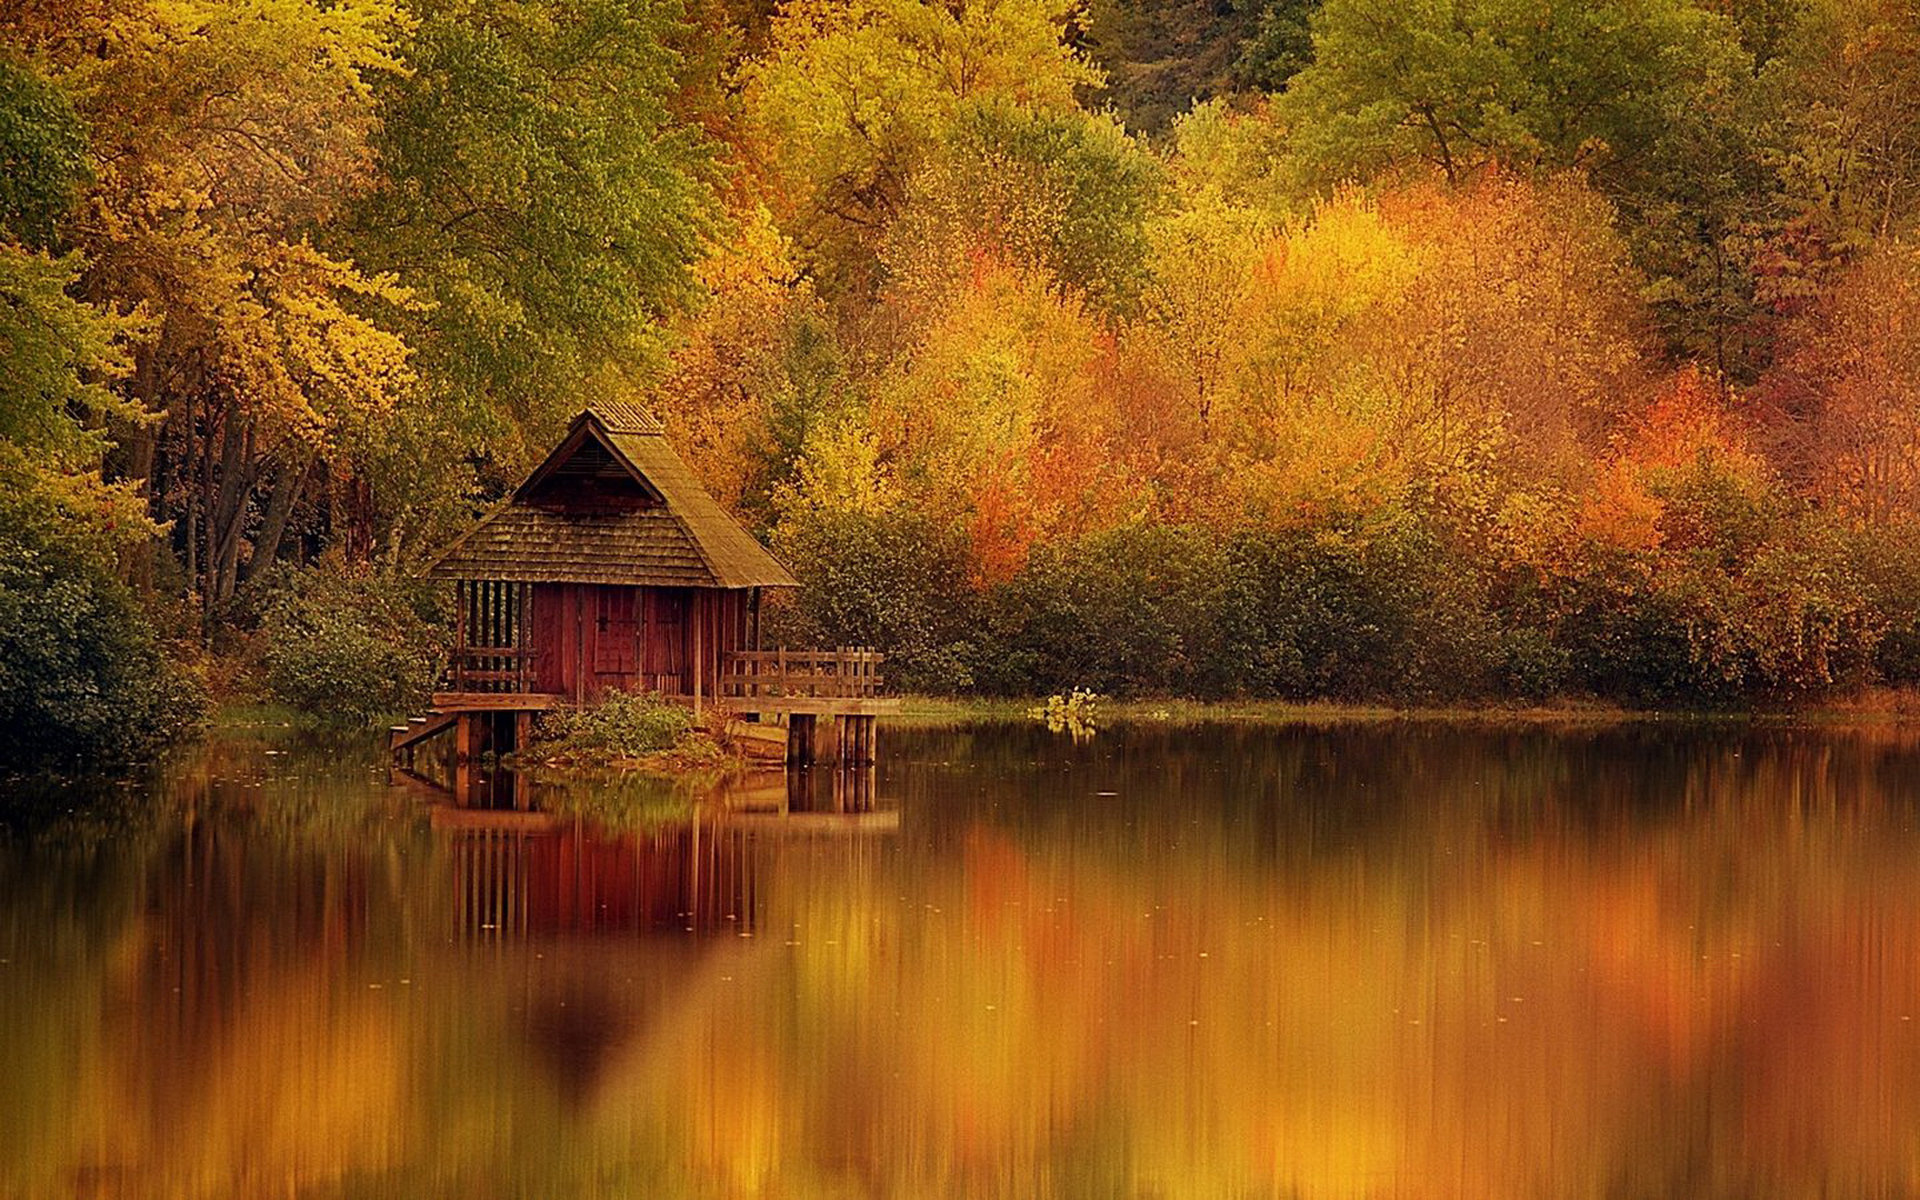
1880 708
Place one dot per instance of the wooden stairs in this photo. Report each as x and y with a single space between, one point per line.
419 729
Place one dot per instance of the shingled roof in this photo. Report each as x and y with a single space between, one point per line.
683 539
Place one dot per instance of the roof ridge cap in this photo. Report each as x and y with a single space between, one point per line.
624 416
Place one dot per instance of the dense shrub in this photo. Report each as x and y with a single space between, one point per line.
1740 604
1741 598
1135 609
1354 613
889 579
83 680
1299 613
351 648
1806 620
1888 566
1632 637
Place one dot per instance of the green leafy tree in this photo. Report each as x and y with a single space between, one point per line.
84 682
1653 99
59 354
43 155
757 371
1849 97
1280 45
1066 192
222 136
538 194
1161 56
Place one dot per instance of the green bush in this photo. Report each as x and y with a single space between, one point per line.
1530 665
1888 565
1806 618
83 680
1743 603
1746 598
351 648
1130 610
1303 613
894 581
1351 612
623 725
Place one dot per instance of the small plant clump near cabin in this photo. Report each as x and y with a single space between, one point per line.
623 728
1071 712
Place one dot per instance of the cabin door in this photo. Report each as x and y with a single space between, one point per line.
663 666
556 638
587 637
614 639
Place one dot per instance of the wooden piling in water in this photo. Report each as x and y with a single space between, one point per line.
465 752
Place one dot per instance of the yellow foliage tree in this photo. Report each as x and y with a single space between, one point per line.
850 95
224 132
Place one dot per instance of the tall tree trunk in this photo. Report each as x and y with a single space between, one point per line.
184 470
137 447
227 518
209 517
287 487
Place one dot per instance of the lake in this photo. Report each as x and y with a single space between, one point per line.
1383 959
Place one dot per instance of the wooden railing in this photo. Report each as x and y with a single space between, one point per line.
816 674
490 618
491 669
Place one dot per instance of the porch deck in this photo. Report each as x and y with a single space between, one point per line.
788 689
840 682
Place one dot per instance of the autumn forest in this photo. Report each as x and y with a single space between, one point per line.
1389 350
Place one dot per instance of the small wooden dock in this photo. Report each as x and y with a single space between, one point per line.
829 701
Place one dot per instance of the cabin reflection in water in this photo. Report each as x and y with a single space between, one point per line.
546 882
522 872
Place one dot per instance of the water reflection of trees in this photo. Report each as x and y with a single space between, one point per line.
1619 962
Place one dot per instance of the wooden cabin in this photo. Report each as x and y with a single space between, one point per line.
611 569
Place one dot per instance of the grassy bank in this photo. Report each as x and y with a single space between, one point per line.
1874 706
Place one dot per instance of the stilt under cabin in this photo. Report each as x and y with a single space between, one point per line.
612 569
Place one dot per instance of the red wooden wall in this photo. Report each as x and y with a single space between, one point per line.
592 638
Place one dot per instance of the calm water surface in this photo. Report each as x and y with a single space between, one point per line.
1391 960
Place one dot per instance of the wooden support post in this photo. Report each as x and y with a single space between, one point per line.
464 756
519 639
459 631
699 647
859 790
